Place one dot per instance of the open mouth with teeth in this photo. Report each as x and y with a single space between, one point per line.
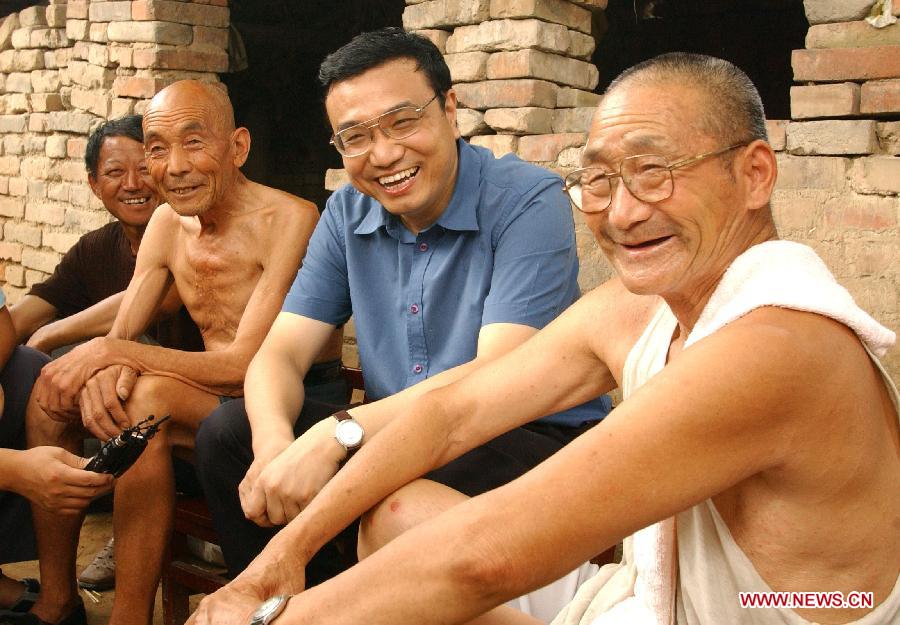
135 201
400 181
182 191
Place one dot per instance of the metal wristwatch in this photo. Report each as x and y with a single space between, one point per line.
348 432
269 610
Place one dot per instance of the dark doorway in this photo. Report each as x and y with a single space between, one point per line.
277 96
755 35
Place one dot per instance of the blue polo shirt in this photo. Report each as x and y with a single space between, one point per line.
503 251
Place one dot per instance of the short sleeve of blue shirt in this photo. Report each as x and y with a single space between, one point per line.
535 269
321 289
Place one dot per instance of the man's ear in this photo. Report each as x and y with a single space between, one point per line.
94 185
240 139
450 110
759 170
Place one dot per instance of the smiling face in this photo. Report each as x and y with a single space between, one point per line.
122 182
680 245
414 177
193 151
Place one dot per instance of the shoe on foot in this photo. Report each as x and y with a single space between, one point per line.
100 574
26 599
76 617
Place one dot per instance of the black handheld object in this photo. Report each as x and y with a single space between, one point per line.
118 453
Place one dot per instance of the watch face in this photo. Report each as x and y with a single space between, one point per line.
269 609
349 433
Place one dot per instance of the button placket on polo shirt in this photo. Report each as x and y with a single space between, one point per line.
421 252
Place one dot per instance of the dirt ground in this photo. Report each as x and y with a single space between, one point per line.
96 531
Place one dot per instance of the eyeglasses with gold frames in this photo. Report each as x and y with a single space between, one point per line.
648 177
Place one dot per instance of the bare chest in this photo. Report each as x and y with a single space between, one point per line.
215 278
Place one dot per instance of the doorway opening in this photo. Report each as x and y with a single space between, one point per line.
277 96
755 35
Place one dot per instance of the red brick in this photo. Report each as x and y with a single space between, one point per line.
181 58
811 172
11 251
75 147
137 86
506 93
77 9
876 174
180 12
12 207
437 37
861 213
443 13
851 35
837 100
556 11
546 148
846 64
881 96
498 144
776 129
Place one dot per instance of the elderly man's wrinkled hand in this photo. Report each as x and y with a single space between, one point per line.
56 480
289 482
102 401
59 386
232 604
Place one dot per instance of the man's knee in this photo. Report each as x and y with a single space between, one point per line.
149 396
405 508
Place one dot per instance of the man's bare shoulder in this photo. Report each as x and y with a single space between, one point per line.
616 317
809 366
283 206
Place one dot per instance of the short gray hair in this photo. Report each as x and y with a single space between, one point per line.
735 111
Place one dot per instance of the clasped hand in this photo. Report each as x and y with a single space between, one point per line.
59 386
279 484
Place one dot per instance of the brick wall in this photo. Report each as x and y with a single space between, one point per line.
523 74
64 68
839 184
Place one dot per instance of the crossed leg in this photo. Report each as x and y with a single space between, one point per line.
143 503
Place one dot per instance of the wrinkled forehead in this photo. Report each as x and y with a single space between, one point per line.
172 115
641 120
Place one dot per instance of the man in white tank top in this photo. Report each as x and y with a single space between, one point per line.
757 442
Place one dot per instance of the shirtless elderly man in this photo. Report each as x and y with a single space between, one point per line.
230 248
754 422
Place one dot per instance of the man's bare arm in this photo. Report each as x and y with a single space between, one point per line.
96 320
31 313
59 388
287 473
690 433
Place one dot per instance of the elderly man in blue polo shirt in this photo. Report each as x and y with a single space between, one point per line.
445 257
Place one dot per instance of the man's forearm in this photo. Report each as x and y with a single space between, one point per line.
218 372
87 324
274 396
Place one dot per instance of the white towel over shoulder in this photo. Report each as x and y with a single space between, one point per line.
787 275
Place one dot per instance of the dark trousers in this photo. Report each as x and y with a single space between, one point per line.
223 454
17 378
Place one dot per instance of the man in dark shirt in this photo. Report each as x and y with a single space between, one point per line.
81 298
